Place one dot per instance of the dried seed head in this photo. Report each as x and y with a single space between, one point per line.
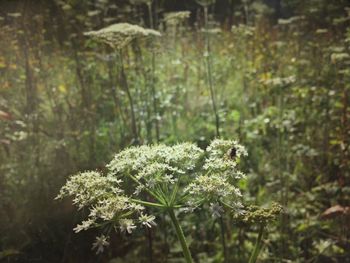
256 214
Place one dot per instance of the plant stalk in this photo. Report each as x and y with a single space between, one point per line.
125 85
153 79
209 73
185 250
223 238
258 243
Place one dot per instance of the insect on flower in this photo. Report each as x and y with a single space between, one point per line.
232 153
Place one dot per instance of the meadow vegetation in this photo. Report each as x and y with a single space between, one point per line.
150 121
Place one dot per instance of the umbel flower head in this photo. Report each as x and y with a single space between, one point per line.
120 35
179 176
175 18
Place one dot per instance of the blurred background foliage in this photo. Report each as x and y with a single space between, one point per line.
281 74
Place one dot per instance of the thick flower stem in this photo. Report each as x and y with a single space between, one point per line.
257 248
180 235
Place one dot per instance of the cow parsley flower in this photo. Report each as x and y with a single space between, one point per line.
179 176
88 187
175 18
120 35
155 165
217 180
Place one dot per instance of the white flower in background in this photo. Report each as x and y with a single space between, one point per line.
100 243
122 34
175 18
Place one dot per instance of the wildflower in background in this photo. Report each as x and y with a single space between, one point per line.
120 35
175 18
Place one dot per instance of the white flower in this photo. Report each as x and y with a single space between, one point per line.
147 220
83 226
151 183
88 187
121 34
126 225
136 207
100 243
139 189
174 18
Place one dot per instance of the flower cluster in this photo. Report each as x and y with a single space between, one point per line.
156 164
89 187
121 34
175 18
178 176
216 182
107 204
255 214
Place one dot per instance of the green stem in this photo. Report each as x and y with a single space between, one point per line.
257 247
125 85
209 73
145 203
185 250
146 189
223 239
153 74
